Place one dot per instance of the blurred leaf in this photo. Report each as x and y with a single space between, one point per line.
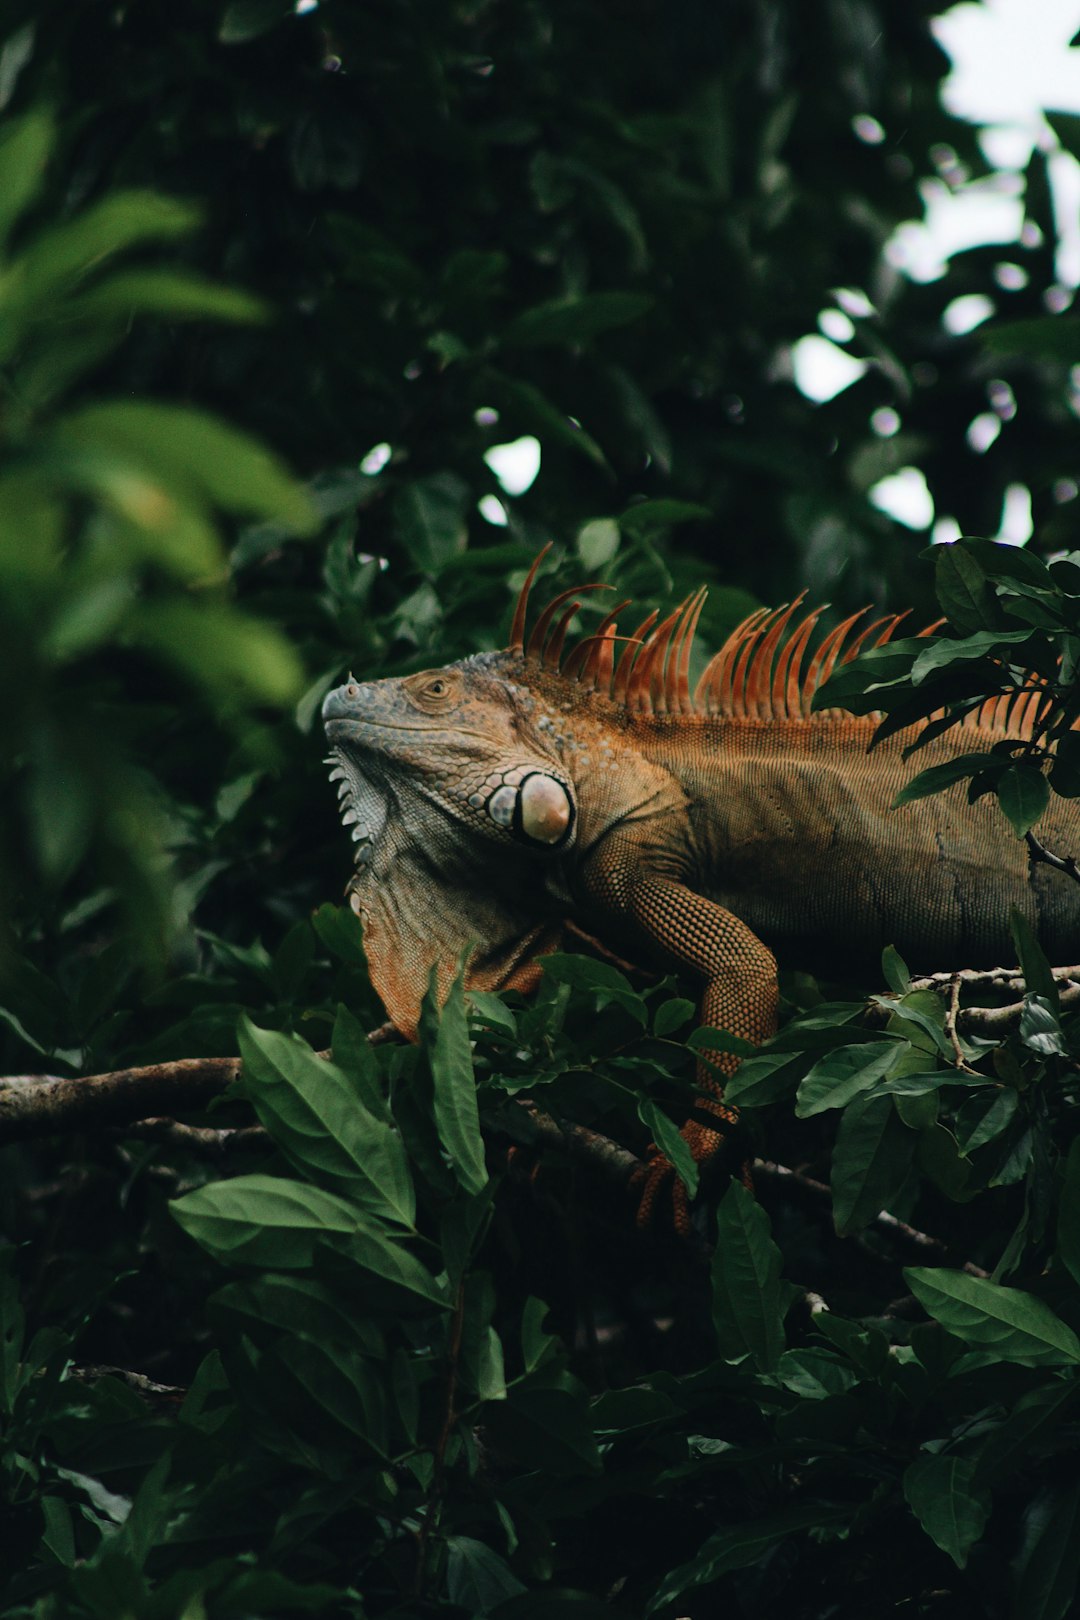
1042 337
25 144
190 448
575 320
429 515
244 20
177 293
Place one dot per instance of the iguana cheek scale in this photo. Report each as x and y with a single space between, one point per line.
496 799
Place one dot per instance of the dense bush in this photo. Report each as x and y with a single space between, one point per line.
401 1349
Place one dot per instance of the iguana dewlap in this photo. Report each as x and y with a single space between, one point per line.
496 798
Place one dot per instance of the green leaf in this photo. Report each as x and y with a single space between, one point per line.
672 1015
942 652
1068 1227
845 1073
985 1117
647 519
706 1038
264 1220
339 929
303 1306
670 1142
942 1494
1013 1324
601 979
894 971
938 777
1047 1566
123 220
340 1384
1038 975
354 1054
446 1037
429 519
1023 793
763 1079
477 1579
575 320
319 1120
748 1296
962 589
244 20
1031 1432
1040 1029
232 657
531 410
740 1545
597 543
545 1424
871 1160
59 1534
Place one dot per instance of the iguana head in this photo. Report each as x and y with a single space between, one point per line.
463 742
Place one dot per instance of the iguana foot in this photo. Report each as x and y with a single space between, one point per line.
704 1141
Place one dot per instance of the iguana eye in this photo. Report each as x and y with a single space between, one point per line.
432 691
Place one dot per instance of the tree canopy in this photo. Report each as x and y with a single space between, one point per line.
368 1336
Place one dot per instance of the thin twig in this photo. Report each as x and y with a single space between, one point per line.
888 1223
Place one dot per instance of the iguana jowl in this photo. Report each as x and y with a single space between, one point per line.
496 798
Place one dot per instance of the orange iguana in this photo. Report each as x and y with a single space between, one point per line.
495 799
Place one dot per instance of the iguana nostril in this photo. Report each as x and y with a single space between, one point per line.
545 809
352 691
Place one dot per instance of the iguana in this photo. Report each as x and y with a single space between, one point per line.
499 798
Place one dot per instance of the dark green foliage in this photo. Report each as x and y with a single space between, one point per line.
398 1354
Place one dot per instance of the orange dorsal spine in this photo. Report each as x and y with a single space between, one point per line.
758 673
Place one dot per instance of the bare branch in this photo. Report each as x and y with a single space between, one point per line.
886 1222
1060 863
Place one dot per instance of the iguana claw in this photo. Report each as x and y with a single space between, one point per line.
704 1142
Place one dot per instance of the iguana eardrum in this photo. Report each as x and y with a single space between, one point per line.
495 799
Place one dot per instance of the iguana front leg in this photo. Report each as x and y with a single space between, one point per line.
739 972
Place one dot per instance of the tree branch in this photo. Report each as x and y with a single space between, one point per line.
1060 863
44 1104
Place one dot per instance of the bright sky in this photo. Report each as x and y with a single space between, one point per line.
1010 61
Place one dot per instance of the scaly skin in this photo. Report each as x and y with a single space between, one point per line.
496 798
